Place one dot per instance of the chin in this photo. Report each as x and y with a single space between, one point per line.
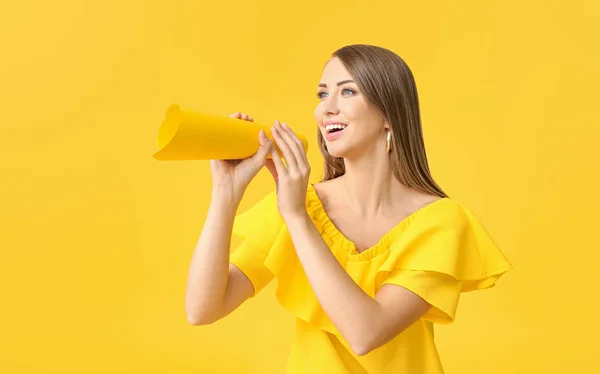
341 147
337 149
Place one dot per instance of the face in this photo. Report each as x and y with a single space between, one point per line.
342 104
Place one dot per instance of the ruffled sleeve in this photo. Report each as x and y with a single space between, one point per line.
259 227
442 255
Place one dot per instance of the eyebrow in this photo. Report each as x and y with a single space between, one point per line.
338 83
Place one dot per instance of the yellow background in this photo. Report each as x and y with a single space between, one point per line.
96 236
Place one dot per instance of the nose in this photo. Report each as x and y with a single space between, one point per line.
329 107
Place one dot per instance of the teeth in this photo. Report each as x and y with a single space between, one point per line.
335 126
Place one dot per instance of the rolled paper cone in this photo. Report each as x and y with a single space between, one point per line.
196 135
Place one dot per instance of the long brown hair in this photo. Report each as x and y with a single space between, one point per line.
388 85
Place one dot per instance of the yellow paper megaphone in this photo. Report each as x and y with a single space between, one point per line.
194 135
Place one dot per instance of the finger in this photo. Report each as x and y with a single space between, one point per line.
235 115
279 166
296 145
282 143
259 158
272 169
265 146
294 136
291 144
244 116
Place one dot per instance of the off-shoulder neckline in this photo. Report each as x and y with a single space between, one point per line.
347 245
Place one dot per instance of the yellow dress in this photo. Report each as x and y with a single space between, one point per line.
437 252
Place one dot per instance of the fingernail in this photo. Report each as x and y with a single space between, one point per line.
285 125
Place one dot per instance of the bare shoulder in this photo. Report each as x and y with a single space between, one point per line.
423 198
417 200
326 189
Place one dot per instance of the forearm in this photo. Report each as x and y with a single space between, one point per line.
208 272
350 309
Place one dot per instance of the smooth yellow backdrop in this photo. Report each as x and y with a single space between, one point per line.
96 235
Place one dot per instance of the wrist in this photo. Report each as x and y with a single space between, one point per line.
297 219
225 199
226 192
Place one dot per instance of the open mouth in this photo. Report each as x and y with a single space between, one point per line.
332 129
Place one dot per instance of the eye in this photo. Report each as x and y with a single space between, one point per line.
320 94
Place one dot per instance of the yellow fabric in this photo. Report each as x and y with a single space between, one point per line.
437 252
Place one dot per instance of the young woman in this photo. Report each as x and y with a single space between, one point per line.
369 258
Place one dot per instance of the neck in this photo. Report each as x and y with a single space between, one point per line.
370 186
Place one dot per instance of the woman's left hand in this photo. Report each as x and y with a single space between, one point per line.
291 181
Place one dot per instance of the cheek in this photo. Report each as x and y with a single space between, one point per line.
352 111
360 111
318 116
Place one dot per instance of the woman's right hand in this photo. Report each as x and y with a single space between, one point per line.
232 177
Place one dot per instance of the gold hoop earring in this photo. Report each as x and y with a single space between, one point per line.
389 142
